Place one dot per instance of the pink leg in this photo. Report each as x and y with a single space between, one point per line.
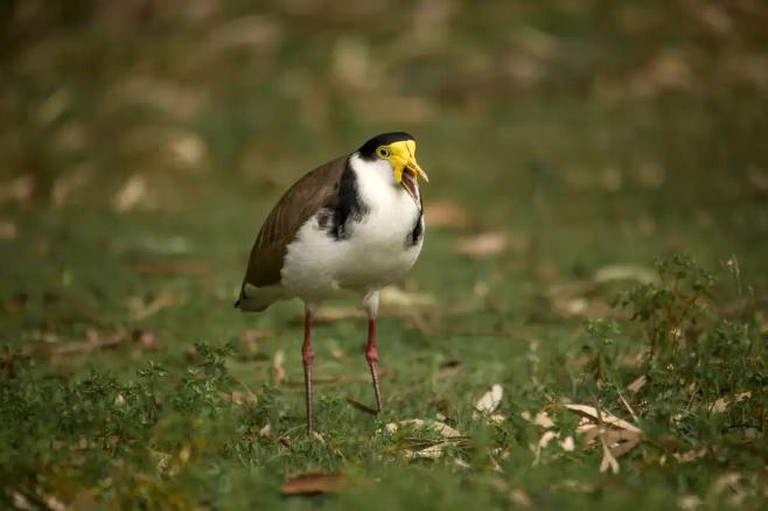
372 355
307 356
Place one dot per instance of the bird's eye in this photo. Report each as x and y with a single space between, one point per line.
382 152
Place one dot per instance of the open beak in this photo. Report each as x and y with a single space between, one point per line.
406 168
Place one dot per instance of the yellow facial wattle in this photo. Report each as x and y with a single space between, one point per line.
402 156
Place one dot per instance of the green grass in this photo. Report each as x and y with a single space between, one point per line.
591 135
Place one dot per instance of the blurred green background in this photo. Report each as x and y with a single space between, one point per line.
596 126
594 132
142 142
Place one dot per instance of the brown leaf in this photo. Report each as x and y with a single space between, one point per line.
485 244
437 426
689 502
314 483
445 214
278 371
541 419
145 338
579 298
191 354
132 195
608 461
248 33
637 384
142 309
689 456
602 417
490 401
93 342
252 336
616 436
16 303
449 369
568 444
393 296
758 179
520 498
19 189
331 314
613 272
721 405
432 452
8 229
238 397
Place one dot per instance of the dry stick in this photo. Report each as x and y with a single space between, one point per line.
74 348
626 405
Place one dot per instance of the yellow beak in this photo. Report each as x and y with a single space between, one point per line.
403 159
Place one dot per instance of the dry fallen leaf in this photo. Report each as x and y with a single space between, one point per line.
146 339
92 342
238 397
727 482
8 229
758 179
332 314
278 371
520 498
722 404
616 436
689 502
423 448
496 418
393 296
608 461
252 336
140 308
579 298
22 501
615 272
132 195
252 33
314 483
485 244
602 417
545 439
637 384
449 369
689 456
541 419
19 189
440 427
490 401
432 452
445 214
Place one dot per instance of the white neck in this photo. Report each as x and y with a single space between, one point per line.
376 181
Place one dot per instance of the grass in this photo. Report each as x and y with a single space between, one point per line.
141 159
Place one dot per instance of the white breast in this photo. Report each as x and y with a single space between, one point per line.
376 252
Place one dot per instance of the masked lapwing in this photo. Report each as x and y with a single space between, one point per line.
354 225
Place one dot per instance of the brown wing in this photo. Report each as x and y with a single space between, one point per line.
316 190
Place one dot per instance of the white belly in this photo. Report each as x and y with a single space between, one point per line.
377 252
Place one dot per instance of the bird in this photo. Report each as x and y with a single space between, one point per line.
350 226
